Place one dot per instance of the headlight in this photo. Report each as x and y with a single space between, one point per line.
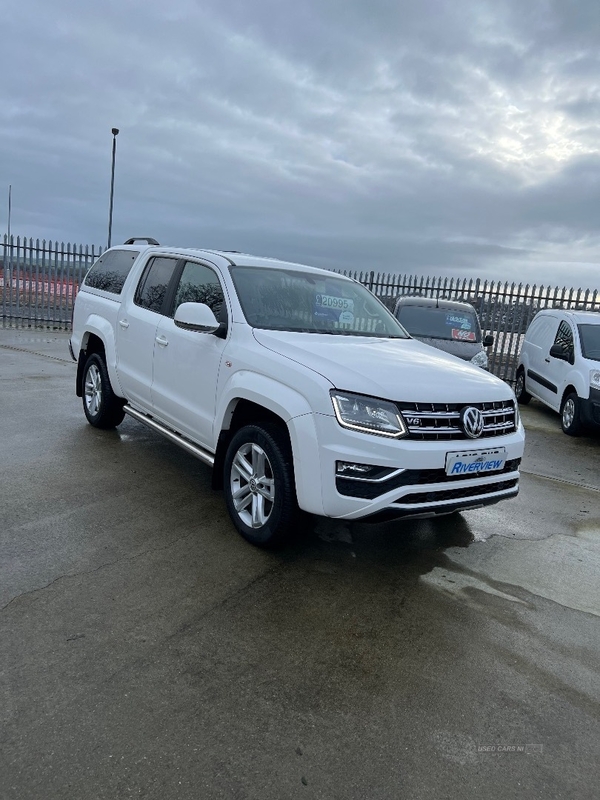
595 378
368 415
517 414
480 360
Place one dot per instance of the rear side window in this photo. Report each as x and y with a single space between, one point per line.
110 272
152 287
541 330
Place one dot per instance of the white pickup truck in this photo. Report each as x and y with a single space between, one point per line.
295 384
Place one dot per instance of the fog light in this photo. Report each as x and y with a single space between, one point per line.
362 472
346 468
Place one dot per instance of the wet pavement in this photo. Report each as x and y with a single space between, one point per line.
148 651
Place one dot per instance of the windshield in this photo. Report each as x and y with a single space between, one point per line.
589 336
290 300
440 323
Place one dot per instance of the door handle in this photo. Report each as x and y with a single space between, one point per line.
162 341
123 323
547 360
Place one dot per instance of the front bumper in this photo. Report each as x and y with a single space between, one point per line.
590 409
437 500
418 485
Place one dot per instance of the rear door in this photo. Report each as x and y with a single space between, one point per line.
137 322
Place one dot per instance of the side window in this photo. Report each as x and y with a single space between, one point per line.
564 337
540 330
200 284
111 270
152 287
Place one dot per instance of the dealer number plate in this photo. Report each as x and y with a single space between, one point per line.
475 463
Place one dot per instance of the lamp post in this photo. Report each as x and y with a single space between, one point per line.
9 209
115 132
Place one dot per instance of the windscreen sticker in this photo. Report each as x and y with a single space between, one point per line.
463 336
457 321
339 309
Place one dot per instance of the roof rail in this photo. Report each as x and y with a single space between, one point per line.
148 239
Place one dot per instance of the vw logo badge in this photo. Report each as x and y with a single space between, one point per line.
472 422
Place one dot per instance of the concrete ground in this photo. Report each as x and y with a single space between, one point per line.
147 651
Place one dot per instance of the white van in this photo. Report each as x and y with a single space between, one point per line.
559 364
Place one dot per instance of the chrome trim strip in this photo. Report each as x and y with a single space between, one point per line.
490 412
192 448
371 480
432 430
513 490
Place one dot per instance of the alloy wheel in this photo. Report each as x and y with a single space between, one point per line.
520 385
93 390
568 414
252 485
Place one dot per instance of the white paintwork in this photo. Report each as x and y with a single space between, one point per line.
395 369
135 335
186 370
97 316
192 382
196 316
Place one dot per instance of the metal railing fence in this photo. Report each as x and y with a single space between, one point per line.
39 281
505 310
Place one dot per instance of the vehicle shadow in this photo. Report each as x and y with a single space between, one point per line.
411 547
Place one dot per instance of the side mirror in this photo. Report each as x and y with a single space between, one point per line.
488 340
557 351
196 317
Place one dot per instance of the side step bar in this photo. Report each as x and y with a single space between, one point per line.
192 448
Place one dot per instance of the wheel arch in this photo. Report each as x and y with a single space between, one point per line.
98 337
570 389
253 393
90 343
240 412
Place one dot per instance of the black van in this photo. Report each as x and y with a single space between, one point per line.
446 324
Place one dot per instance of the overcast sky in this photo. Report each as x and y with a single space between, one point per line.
456 137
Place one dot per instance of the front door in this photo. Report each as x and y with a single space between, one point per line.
556 370
187 363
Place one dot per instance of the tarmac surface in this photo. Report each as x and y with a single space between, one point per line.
147 651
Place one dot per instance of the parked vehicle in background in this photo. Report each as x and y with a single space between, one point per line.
559 364
449 325
295 384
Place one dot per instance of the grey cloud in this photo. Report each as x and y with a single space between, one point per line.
446 137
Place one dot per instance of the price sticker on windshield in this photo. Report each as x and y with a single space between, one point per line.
463 336
335 309
335 303
458 321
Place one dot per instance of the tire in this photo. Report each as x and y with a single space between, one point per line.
570 415
101 406
259 469
523 396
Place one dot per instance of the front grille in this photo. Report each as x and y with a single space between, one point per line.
411 477
457 494
441 421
